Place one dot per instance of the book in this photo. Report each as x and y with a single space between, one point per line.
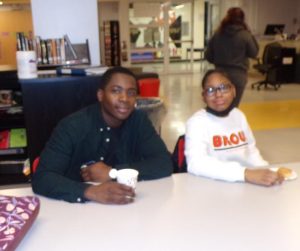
38 49
49 51
4 139
81 70
17 138
12 151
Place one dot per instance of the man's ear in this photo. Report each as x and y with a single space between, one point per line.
100 95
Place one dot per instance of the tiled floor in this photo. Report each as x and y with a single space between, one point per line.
273 115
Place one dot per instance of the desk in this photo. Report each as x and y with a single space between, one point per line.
182 212
284 43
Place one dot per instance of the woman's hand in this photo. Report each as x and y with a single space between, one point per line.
264 177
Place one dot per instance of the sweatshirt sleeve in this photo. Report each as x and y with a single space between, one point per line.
252 47
200 162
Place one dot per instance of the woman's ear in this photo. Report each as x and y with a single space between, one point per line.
203 96
100 95
234 91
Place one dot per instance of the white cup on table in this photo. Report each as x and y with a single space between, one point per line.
128 177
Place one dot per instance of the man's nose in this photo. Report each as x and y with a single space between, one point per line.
123 96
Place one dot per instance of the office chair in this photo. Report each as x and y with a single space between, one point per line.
271 62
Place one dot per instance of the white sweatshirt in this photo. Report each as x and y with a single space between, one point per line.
220 147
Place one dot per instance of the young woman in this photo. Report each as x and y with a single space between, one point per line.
230 47
219 143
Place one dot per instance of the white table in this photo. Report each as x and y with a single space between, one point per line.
182 212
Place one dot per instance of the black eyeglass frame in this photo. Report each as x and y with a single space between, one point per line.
212 91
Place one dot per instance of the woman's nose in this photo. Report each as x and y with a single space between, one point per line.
218 92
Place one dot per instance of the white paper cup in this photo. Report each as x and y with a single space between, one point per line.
128 177
26 64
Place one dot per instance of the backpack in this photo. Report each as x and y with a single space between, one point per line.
178 157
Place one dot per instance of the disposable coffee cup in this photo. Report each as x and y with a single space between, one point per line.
26 64
128 177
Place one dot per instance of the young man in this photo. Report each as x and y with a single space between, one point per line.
89 144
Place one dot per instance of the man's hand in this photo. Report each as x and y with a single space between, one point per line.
97 172
264 177
110 193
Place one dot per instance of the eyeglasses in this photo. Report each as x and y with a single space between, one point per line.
223 88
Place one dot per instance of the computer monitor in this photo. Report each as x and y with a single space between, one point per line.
273 29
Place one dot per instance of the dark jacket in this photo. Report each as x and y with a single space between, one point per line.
232 48
84 136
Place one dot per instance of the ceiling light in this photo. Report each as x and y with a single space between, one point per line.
179 6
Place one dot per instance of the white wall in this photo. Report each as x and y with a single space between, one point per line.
277 11
259 13
77 18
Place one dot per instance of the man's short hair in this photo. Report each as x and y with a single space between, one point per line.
106 77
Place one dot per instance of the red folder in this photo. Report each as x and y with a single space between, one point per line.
4 139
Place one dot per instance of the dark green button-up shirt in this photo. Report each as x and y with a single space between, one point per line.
84 136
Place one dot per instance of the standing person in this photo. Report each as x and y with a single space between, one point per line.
219 143
89 144
230 47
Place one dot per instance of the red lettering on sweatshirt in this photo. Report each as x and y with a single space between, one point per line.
217 141
226 141
232 140
242 136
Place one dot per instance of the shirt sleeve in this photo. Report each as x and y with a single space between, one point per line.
50 178
154 160
200 162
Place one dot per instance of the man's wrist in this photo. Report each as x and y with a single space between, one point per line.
85 165
113 173
89 193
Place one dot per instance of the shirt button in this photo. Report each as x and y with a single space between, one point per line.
101 129
108 128
79 199
107 140
101 158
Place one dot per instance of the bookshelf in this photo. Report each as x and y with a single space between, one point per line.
13 142
112 43
54 52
